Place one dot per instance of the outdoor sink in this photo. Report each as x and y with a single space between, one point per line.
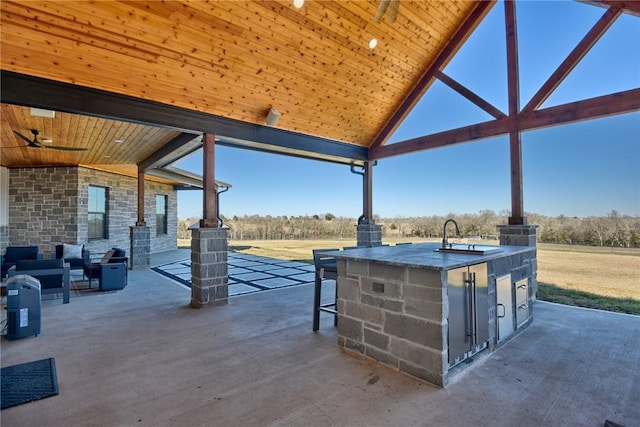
470 249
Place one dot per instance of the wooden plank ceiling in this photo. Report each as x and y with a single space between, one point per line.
226 58
110 144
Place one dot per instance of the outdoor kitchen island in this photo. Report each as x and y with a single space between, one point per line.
426 312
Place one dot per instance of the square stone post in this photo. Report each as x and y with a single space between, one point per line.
523 235
209 270
140 254
369 234
518 235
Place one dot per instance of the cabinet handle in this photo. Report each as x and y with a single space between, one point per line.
504 311
523 286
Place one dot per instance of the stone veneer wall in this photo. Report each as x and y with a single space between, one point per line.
43 207
395 315
4 237
48 206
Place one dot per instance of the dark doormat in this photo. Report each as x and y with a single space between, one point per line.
27 382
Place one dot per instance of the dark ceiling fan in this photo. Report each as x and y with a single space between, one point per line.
34 143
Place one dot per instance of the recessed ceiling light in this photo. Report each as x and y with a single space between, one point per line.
107 157
298 4
118 141
373 43
47 140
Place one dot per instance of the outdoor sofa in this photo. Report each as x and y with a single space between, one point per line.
51 273
76 255
14 254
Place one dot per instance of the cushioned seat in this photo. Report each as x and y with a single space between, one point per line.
100 270
50 273
14 254
76 255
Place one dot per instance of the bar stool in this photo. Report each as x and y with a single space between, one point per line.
326 267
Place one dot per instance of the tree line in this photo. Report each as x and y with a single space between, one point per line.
613 230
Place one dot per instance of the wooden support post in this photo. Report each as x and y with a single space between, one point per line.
367 192
141 222
209 191
517 205
515 143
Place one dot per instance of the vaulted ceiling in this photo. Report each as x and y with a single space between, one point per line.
157 74
229 59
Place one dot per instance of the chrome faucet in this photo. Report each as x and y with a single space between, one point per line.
445 241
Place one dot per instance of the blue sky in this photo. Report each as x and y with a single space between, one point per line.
582 169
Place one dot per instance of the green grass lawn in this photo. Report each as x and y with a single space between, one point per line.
560 295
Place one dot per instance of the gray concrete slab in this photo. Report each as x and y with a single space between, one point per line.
142 357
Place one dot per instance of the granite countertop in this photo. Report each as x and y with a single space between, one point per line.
423 255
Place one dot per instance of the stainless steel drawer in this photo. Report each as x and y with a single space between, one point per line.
522 301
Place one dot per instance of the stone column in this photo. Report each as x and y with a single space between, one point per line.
209 271
140 254
369 234
518 235
523 235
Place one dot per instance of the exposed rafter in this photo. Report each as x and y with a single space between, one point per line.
574 58
592 108
530 117
456 42
630 6
470 95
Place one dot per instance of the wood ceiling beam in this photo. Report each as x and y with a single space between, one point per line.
456 42
574 58
629 6
470 95
178 147
592 108
30 91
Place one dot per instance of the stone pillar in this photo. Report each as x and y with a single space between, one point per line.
523 235
518 235
209 271
140 254
369 234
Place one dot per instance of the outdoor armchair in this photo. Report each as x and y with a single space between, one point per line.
110 270
14 254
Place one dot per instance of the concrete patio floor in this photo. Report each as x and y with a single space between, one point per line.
142 357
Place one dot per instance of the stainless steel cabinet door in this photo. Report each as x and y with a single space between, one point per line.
459 339
504 307
468 311
480 304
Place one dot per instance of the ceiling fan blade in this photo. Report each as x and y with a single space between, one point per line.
393 10
58 147
29 141
382 8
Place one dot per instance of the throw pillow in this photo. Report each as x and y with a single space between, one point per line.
105 259
71 251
